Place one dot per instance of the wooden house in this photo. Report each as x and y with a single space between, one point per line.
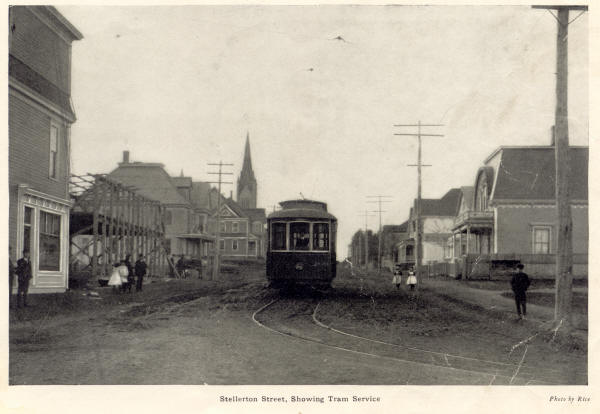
39 119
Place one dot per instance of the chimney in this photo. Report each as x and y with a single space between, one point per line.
231 194
125 157
552 135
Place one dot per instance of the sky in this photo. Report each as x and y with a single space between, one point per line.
319 89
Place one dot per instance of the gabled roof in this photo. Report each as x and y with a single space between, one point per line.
149 180
235 207
445 206
528 173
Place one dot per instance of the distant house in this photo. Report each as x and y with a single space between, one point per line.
392 234
512 216
437 219
241 231
39 119
185 223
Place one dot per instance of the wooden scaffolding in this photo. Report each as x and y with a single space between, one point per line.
110 221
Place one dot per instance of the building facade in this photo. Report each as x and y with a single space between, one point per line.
40 116
512 216
185 224
437 219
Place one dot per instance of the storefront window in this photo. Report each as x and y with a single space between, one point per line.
49 257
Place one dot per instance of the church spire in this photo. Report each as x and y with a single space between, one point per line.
247 166
246 188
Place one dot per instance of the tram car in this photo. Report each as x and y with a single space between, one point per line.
301 245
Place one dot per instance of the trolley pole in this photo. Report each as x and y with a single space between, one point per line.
564 251
366 215
419 165
380 199
220 173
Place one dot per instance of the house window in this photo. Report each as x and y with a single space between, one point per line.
53 151
235 227
541 240
222 227
168 217
278 236
299 236
49 257
409 251
258 228
221 244
320 236
234 244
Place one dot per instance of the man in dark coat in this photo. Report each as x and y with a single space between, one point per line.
130 276
519 283
140 272
11 275
23 276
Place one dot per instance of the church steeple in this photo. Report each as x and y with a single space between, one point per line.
247 166
246 185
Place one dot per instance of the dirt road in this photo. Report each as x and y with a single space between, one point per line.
197 332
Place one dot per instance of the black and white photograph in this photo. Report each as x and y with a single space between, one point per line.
299 207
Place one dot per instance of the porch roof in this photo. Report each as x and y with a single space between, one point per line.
196 236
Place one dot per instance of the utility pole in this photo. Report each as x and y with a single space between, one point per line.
419 165
380 199
220 173
564 251
366 215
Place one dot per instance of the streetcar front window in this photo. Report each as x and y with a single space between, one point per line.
278 236
320 236
299 236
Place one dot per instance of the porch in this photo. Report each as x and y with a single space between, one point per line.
473 233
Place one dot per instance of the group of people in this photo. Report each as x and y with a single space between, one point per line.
519 284
124 275
23 272
411 280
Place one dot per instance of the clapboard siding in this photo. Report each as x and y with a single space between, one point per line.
29 148
34 43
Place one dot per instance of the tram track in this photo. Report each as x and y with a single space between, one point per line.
298 320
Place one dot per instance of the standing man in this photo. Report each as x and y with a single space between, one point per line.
11 274
23 276
140 272
519 283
